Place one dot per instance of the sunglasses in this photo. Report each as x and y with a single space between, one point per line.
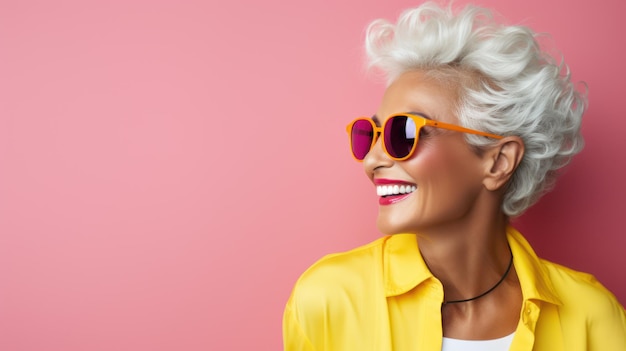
400 134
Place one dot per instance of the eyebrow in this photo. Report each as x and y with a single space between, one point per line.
377 121
422 114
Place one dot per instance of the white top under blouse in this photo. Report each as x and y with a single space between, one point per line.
501 344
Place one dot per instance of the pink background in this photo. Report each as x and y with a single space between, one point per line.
168 168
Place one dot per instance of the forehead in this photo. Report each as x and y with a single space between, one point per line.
417 91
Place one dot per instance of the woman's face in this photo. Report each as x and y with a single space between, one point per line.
446 173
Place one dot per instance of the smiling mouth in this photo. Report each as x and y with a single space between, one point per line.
391 190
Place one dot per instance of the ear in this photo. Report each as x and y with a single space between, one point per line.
502 161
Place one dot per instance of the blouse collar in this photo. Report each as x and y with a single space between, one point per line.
404 267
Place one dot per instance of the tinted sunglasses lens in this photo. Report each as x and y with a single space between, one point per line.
361 136
400 132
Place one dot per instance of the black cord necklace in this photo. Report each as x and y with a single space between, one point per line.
508 269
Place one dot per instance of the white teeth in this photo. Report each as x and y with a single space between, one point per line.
384 190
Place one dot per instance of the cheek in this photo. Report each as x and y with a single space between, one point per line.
434 163
446 173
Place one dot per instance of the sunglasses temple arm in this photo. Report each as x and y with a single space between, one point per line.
462 129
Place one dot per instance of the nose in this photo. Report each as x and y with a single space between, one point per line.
376 158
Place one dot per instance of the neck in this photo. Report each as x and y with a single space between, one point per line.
486 292
468 259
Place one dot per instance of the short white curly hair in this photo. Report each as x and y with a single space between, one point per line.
507 86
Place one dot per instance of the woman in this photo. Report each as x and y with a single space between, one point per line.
472 127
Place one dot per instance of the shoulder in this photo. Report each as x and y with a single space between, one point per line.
575 285
339 278
333 300
343 268
580 296
582 293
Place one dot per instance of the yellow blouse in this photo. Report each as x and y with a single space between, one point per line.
381 296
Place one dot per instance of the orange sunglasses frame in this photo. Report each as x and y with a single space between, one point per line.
420 121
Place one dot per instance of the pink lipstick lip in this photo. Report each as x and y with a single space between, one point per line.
383 181
390 200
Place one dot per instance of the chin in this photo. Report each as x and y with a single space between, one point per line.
390 227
